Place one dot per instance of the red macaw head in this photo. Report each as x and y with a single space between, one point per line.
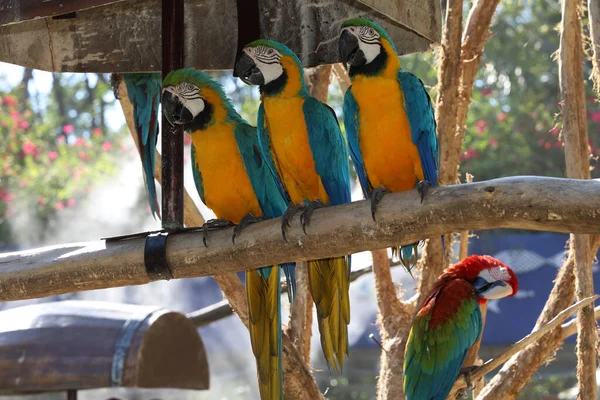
491 278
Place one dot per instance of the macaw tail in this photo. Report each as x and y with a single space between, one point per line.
143 91
148 162
329 281
264 306
408 256
289 269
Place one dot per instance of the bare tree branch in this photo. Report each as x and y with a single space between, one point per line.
570 328
449 72
300 325
594 18
575 135
497 361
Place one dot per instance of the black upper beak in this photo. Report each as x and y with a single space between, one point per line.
174 110
247 71
350 52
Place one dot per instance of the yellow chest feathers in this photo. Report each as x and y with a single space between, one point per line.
391 159
227 188
291 149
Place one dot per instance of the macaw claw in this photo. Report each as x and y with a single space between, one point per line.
423 187
288 215
376 196
308 211
214 224
467 371
248 219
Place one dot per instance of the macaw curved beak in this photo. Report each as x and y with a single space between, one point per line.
174 110
492 290
247 71
350 51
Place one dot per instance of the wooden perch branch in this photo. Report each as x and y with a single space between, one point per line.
548 204
494 363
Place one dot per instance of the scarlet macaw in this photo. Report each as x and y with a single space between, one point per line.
449 322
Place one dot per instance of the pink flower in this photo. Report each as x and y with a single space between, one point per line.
493 142
23 125
548 145
97 132
541 142
558 143
68 129
71 202
61 139
107 146
83 156
481 126
6 196
9 101
555 131
596 116
30 149
501 117
79 142
23 183
59 206
41 201
470 153
486 91
52 155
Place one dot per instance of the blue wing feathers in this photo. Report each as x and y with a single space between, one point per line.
351 123
267 187
421 118
329 150
143 91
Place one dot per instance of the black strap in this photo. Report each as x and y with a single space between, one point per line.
248 25
155 257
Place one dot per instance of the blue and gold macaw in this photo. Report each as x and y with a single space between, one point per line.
302 142
389 120
233 180
143 91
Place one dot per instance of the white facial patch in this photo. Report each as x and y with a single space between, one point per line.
498 273
189 95
369 41
267 61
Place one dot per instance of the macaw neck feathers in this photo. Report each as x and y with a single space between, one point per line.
289 84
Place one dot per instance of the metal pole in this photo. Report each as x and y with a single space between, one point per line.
172 138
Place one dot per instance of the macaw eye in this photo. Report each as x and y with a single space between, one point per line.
270 51
371 31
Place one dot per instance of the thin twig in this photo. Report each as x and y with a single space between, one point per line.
495 362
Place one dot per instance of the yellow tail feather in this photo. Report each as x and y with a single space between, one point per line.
265 330
329 280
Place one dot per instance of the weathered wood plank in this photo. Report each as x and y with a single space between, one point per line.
72 345
12 11
126 37
545 204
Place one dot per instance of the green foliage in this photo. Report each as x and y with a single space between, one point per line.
46 168
513 124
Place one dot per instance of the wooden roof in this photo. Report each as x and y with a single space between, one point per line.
125 35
